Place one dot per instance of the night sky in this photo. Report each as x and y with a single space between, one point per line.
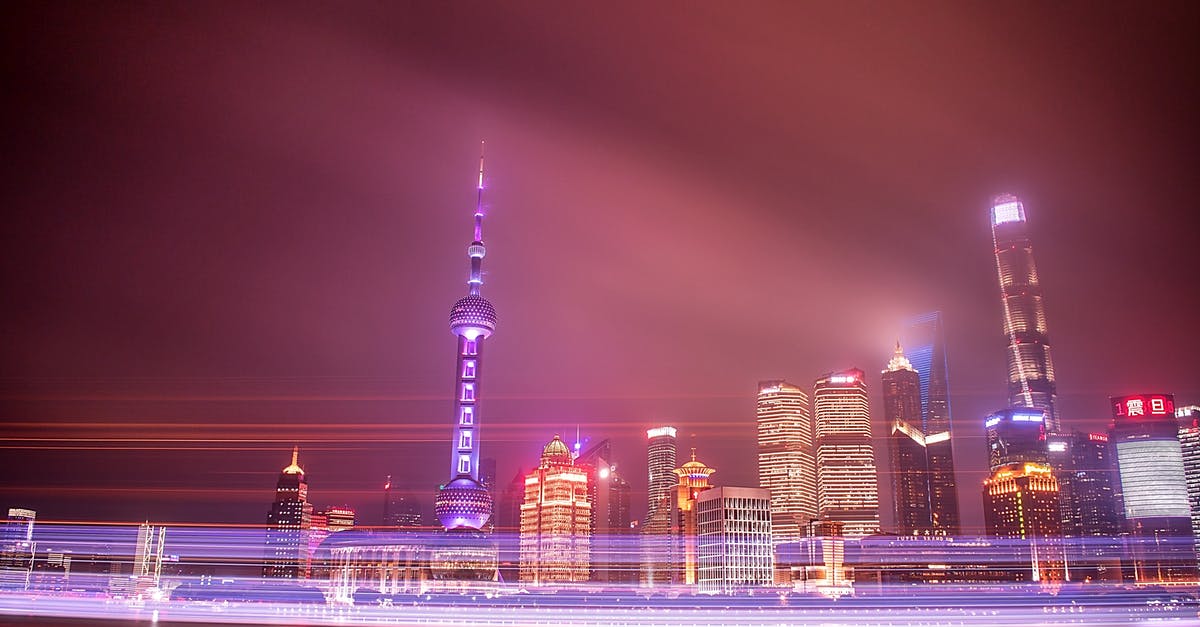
231 227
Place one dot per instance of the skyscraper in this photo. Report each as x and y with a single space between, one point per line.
925 343
399 512
786 464
555 520
1189 444
1089 502
1153 484
660 463
1030 368
614 550
288 523
847 479
1020 505
464 502
906 445
1015 435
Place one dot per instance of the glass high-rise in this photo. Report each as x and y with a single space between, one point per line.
1154 487
288 523
786 463
847 478
1030 368
925 346
1189 443
655 540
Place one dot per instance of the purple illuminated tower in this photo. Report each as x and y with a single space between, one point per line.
464 502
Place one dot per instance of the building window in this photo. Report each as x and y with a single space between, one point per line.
468 369
464 439
464 464
468 393
467 417
470 347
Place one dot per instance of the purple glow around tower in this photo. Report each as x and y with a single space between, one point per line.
463 502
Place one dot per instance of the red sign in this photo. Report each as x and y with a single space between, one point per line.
1142 405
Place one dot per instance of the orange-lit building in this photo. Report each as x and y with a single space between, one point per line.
693 479
555 520
1021 511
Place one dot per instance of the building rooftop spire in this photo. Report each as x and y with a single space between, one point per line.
899 361
294 468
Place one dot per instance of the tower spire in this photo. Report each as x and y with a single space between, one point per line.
476 250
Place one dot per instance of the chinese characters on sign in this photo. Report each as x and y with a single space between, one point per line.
1143 405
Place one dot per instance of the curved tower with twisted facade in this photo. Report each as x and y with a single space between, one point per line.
1030 369
464 503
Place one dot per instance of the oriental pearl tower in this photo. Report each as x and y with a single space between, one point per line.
464 503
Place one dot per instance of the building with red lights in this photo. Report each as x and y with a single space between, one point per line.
1145 435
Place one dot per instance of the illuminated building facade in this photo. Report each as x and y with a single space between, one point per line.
692 479
734 546
1021 513
1030 368
615 551
389 563
660 463
323 523
1154 487
925 347
287 525
555 538
464 502
1015 435
17 549
148 557
847 479
1092 516
786 463
906 445
1189 444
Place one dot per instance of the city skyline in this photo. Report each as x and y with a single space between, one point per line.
304 309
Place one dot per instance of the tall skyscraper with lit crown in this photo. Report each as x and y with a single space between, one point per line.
786 464
906 445
660 464
464 502
288 523
1030 368
847 478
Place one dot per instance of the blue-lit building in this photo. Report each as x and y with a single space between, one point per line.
1015 435
925 346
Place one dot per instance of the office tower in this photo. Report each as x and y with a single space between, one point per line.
734 539
1030 368
1015 435
1189 444
614 551
399 512
555 514
1089 503
464 502
1020 506
847 480
287 525
692 479
148 557
321 525
786 464
17 549
660 462
507 531
925 344
906 445
1154 486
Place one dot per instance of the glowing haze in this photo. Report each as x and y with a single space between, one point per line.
232 229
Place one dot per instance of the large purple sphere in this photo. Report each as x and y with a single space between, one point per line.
463 503
473 316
